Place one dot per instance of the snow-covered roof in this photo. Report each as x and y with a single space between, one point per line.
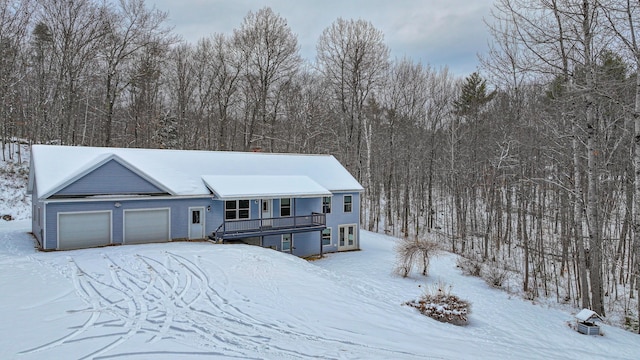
181 172
94 164
263 186
586 315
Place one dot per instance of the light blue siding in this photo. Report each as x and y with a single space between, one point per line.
304 244
37 215
338 217
112 178
272 241
306 206
179 215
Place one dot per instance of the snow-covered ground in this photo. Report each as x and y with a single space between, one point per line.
14 172
200 300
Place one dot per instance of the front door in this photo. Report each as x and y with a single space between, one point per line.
267 212
196 223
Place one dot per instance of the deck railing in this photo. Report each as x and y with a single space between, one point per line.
258 227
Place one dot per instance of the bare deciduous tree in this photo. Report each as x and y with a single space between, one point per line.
270 54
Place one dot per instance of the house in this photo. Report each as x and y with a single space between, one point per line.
89 196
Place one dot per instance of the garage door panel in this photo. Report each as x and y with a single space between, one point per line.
83 230
145 226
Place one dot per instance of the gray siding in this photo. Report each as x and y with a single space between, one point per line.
110 179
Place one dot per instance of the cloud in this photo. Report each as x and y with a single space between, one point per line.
438 32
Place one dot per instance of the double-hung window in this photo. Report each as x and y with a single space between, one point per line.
326 237
326 205
285 207
348 201
236 209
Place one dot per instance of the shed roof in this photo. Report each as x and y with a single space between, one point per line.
182 172
263 186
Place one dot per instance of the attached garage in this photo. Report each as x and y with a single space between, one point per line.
147 226
84 229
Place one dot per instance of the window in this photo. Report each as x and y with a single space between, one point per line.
195 217
286 242
350 236
326 205
285 207
347 203
326 237
236 209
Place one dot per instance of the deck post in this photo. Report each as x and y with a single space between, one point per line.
320 244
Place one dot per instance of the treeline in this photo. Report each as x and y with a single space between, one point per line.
531 165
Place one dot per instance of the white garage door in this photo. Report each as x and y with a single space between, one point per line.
146 226
83 230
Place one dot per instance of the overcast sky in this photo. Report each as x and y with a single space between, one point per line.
436 32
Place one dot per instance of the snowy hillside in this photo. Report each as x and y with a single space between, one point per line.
181 299
14 173
200 300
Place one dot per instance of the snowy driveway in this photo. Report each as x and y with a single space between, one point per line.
149 299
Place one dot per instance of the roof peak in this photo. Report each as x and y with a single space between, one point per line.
107 148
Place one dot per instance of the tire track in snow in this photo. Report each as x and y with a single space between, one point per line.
130 316
136 314
81 291
167 317
202 325
253 323
172 296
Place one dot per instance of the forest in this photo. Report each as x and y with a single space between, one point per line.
530 165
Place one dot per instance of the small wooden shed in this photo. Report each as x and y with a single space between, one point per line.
586 322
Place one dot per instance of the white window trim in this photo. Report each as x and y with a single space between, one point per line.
355 236
290 207
330 237
290 250
237 210
343 204
330 204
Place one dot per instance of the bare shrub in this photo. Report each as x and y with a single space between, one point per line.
495 276
469 266
438 303
410 253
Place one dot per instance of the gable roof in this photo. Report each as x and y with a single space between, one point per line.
90 166
587 314
181 172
